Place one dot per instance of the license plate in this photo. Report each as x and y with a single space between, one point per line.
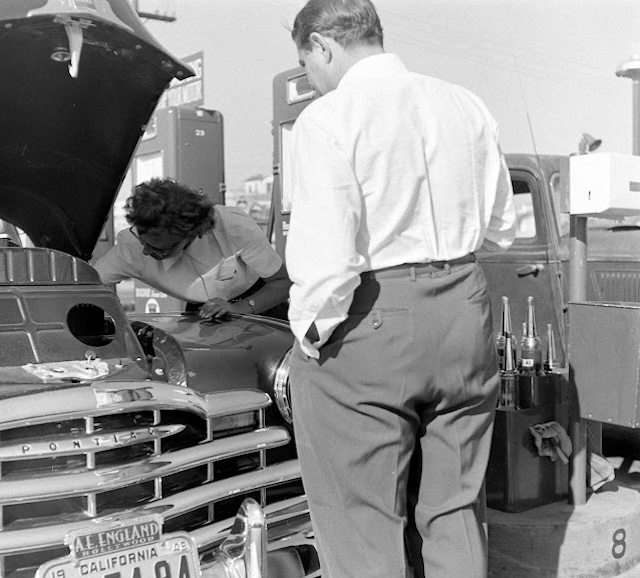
129 549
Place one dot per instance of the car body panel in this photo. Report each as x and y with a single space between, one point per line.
225 354
235 353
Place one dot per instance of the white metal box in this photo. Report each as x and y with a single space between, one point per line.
605 185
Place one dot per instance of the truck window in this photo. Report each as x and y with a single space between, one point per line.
555 183
523 201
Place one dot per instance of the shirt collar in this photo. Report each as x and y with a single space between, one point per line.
190 250
166 264
376 65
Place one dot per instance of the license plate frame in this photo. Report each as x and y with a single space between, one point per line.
132 548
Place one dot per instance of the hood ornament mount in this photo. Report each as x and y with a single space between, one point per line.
74 29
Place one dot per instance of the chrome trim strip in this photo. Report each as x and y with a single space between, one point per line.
104 398
282 388
193 498
24 540
69 445
280 511
67 484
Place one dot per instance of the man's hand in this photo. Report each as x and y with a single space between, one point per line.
217 307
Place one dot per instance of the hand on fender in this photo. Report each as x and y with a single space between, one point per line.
217 307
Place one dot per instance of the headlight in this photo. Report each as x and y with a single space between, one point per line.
282 387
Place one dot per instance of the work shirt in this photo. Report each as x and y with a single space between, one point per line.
391 167
224 262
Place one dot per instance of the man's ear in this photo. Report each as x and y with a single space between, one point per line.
321 43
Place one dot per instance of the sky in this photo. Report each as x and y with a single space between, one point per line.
545 68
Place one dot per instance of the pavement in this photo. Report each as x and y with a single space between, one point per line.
598 540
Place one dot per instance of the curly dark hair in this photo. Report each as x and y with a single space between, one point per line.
166 205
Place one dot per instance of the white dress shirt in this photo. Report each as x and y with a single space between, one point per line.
224 262
391 167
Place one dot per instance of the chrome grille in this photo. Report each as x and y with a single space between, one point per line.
617 286
72 455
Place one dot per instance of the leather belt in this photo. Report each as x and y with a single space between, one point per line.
413 269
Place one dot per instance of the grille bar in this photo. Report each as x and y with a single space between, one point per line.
193 498
70 483
25 540
617 285
103 398
68 445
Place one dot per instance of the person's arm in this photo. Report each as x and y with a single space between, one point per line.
116 265
254 249
272 293
501 229
321 254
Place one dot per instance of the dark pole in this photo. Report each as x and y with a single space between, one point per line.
577 293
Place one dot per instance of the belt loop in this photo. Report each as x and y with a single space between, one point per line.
412 272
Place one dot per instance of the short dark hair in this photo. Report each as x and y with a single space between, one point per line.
166 205
348 22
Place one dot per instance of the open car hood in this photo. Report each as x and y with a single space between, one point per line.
79 81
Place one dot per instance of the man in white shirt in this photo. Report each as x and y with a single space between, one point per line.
398 179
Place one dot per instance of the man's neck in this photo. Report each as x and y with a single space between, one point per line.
359 52
354 54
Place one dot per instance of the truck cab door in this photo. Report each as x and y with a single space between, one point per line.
531 267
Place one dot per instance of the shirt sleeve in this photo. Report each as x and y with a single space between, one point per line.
321 255
251 241
501 230
117 264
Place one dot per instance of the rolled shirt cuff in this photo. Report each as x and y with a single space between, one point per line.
302 321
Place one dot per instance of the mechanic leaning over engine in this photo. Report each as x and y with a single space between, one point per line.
214 257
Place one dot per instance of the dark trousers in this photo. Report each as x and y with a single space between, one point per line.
393 427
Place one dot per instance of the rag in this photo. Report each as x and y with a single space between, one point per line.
552 440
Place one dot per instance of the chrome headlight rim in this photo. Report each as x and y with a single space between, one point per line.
282 387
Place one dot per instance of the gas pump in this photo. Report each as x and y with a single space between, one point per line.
291 94
185 144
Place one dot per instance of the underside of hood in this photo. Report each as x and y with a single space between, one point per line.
79 82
